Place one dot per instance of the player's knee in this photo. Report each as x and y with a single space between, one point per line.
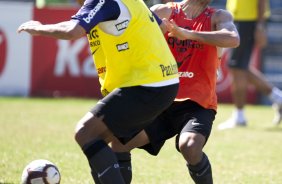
190 146
78 136
83 130
83 136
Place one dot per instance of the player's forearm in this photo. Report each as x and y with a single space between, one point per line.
261 11
65 30
59 31
222 38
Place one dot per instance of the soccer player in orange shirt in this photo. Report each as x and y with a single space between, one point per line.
196 34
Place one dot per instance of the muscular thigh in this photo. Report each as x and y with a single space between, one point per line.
197 119
186 116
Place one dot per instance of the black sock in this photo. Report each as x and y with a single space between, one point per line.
124 161
95 176
202 172
103 160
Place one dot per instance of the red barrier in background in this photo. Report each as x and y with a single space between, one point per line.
61 68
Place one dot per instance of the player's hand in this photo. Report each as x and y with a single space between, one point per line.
80 2
174 30
260 37
29 27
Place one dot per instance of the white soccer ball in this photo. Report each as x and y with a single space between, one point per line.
41 172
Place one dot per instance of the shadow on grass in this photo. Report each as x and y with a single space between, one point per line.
274 129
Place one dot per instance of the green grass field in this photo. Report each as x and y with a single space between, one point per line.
43 128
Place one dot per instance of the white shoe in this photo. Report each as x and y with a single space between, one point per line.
231 123
278 114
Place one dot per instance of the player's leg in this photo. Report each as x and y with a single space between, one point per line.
140 105
239 88
273 93
147 139
123 154
190 145
239 68
258 80
124 161
151 139
192 139
92 135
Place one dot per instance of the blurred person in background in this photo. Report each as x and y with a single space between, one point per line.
250 18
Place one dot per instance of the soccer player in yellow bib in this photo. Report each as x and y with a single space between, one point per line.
137 72
250 17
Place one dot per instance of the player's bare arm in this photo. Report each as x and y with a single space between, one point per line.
162 11
68 30
223 35
260 32
225 28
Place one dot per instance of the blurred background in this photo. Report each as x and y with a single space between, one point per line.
45 67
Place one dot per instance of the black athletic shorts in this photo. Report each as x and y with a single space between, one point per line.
185 116
126 111
241 56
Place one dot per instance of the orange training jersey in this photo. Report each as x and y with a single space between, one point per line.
197 62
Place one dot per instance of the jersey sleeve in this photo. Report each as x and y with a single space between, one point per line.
95 11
